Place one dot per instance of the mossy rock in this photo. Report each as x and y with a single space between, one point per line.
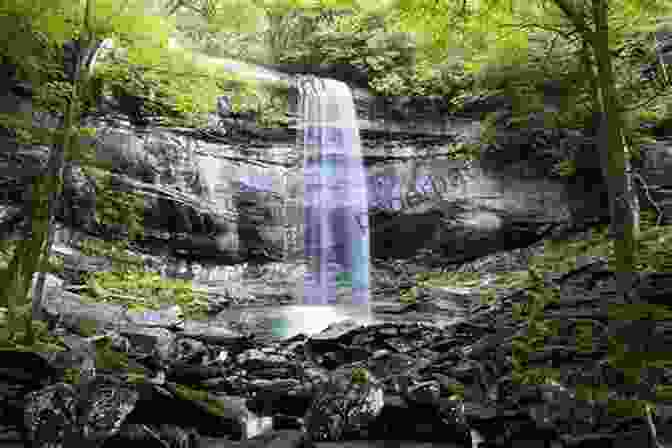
109 359
87 327
208 402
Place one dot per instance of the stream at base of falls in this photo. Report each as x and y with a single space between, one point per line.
274 314
286 321
270 306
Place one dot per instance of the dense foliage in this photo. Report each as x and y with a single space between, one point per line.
361 43
174 87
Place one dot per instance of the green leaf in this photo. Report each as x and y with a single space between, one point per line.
626 408
664 392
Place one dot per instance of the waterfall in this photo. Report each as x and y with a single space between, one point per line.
336 237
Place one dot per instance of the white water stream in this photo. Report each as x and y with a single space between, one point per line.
336 283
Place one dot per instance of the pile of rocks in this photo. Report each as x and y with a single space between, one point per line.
346 382
162 381
552 414
218 383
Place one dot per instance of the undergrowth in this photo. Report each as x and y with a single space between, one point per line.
139 290
130 285
654 254
561 257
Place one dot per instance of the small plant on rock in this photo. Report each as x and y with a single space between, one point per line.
536 331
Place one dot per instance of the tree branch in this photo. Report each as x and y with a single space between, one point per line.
648 196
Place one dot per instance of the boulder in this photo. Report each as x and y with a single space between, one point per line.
232 410
401 422
190 350
168 316
272 439
29 370
50 412
217 333
75 313
76 263
53 288
146 341
153 436
344 406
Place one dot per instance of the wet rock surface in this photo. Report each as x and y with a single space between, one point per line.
222 385
215 384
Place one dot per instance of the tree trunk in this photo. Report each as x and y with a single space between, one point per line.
54 179
84 51
17 279
623 202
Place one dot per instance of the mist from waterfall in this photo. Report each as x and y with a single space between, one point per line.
336 238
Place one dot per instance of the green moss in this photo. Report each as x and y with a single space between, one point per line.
6 252
71 376
115 251
649 115
140 290
455 389
203 398
453 279
54 265
654 252
502 281
664 392
359 376
512 280
109 359
87 327
626 408
565 168
542 375
409 296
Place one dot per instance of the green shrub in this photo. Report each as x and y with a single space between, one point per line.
44 340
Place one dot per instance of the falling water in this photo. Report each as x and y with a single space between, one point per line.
335 197
336 283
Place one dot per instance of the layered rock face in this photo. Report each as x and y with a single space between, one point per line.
223 383
215 197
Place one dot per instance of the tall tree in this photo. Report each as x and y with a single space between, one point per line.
81 26
496 29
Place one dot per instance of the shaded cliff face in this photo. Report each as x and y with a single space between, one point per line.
460 210
157 163
226 199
